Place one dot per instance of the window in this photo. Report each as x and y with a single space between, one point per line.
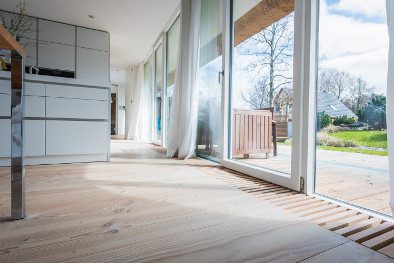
210 87
172 59
158 89
351 136
262 85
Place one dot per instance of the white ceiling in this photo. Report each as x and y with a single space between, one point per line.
134 24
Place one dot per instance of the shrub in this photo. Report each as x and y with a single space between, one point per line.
323 139
374 114
332 128
344 120
323 120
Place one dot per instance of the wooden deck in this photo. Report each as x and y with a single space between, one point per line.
356 178
143 207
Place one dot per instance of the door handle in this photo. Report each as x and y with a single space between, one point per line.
220 75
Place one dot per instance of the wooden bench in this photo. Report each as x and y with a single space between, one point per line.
254 131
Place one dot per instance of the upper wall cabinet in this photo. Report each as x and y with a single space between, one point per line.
93 39
56 32
56 56
92 64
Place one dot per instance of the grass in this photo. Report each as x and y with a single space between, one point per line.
354 150
375 139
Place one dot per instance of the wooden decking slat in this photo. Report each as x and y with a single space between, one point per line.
372 232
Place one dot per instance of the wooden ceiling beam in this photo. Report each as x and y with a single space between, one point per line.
261 16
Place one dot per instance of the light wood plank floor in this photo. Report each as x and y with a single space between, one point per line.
143 207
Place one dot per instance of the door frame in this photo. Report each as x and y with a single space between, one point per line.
302 160
116 86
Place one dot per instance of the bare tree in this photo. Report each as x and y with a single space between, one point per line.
257 97
270 68
337 82
360 95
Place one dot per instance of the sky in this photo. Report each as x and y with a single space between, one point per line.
353 37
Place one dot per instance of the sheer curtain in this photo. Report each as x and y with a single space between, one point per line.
183 126
140 110
390 98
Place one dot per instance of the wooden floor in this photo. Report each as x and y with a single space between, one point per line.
143 207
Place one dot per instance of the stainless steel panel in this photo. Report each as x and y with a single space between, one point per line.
18 209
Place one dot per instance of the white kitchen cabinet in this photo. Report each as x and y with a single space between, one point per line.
34 138
5 86
92 64
72 92
76 137
76 108
56 56
34 106
5 138
5 105
56 32
30 46
34 89
93 39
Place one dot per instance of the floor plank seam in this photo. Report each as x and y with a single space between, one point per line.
324 251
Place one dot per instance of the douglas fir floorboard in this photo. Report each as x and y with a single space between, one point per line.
144 207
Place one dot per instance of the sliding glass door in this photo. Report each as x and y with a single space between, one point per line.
351 130
210 75
261 94
158 91
172 43
149 86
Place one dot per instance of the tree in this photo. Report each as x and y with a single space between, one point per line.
360 95
257 97
374 114
337 82
270 52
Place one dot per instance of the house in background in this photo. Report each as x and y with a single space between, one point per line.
332 106
326 102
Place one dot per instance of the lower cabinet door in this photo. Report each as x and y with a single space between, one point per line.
34 138
76 137
5 138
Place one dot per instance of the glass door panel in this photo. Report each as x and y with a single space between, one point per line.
210 87
171 63
351 137
262 85
148 86
158 94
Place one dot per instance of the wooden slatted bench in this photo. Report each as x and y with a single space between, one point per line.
254 131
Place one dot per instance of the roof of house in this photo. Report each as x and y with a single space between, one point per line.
332 106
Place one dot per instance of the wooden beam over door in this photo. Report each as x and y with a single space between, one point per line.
260 17
255 20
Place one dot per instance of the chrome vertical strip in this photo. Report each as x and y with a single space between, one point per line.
18 209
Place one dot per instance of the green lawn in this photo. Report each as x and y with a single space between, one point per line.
354 150
376 139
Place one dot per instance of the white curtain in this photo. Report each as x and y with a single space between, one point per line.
183 125
141 109
390 98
